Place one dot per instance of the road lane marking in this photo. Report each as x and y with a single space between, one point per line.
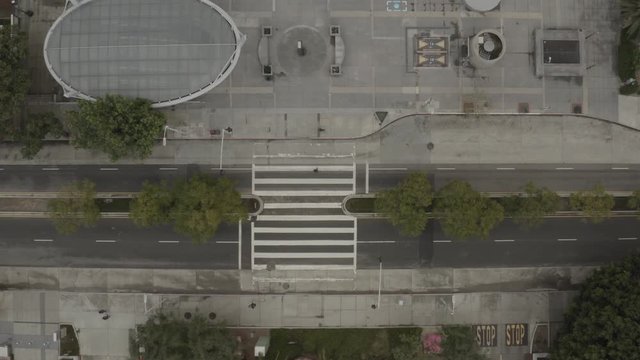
108 169
168 241
446 168
105 241
388 169
226 242
504 240
168 168
441 241
505 168
366 177
564 168
627 238
567 239
51 169
1 169
620 168
43 240
376 242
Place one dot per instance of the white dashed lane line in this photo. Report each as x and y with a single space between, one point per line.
564 168
627 238
108 169
226 242
441 241
168 169
567 239
43 240
105 241
50 169
620 168
168 241
445 168
505 168
503 240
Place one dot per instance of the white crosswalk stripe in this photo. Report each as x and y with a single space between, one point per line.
293 233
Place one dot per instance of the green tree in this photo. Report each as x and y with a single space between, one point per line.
464 212
530 208
166 338
595 203
407 204
202 203
14 75
634 202
117 126
459 344
630 10
74 207
152 205
603 322
34 131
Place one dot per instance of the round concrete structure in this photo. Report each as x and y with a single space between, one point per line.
165 51
486 48
482 5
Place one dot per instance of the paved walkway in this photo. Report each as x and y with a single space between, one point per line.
453 139
40 298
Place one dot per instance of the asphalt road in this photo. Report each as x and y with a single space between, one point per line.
565 177
119 243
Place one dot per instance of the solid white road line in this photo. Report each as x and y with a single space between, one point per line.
441 241
305 255
105 241
168 168
366 177
620 168
309 168
51 169
303 181
43 240
231 169
108 169
377 242
564 168
388 169
303 230
567 239
303 243
627 238
504 240
303 192
168 241
302 205
305 267
445 168
304 218
505 168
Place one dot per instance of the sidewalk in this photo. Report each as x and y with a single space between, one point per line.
456 139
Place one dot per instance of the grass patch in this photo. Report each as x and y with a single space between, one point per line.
336 344
68 341
361 205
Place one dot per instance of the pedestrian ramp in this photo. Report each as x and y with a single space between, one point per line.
302 226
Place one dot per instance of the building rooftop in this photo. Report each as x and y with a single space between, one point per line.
162 50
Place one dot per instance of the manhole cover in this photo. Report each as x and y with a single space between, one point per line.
313 55
187 315
212 316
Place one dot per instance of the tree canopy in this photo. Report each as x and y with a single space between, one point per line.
196 207
634 201
464 212
75 207
603 321
117 126
595 203
407 204
530 208
37 127
630 10
166 338
14 75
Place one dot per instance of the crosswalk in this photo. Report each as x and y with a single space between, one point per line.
302 226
